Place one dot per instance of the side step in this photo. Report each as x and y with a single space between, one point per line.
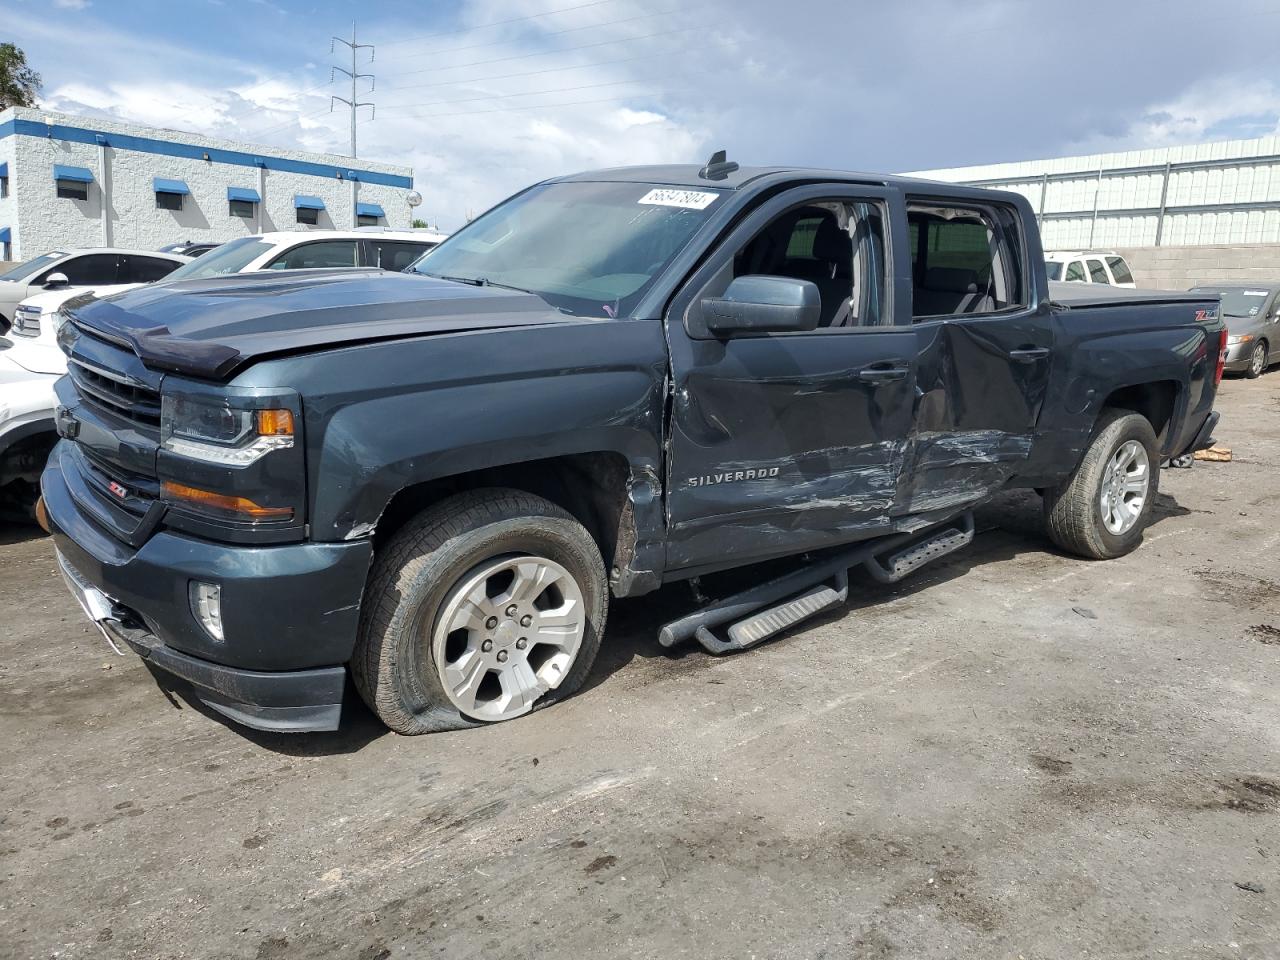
908 561
761 626
771 607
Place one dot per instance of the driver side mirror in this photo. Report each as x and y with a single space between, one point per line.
761 304
56 280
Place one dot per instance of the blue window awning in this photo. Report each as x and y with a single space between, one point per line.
4 170
243 193
5 235
303 202
78 174
369 210
170 186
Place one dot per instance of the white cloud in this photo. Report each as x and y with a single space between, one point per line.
71 4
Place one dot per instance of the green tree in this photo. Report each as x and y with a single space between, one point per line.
19 84
419 224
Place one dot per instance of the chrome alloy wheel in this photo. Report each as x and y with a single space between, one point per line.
1125 484
1258 360
506 634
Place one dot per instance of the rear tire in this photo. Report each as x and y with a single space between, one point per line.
1258 360
473 559
1099 512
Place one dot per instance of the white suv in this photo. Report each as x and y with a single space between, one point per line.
71 269
1088 266
302 249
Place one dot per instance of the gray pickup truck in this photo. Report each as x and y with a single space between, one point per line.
434 482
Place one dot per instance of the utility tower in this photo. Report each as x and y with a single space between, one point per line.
353 104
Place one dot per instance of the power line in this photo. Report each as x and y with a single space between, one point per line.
496 23
535 106
524 73
548 33
547 53
528 93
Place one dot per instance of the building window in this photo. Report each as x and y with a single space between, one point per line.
308 216
168 201
243 208
365 220
6 251
72 190
4 187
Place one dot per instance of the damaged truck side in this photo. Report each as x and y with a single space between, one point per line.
434 482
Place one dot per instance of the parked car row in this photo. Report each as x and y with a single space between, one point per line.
32 294
1082 266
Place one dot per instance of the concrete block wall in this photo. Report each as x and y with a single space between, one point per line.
1177 268
41 221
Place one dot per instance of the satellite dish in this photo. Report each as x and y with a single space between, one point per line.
414 198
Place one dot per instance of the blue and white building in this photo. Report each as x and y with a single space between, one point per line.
70 181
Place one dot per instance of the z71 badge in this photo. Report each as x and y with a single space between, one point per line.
1203 316
732 476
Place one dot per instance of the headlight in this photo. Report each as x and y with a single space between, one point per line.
217 432
1232 341
59 318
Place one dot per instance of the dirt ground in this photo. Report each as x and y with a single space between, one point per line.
1016 754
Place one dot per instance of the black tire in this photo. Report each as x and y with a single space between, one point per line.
1258 360
1072 510
393 665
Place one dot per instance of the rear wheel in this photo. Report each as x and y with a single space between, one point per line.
1257 360
1101 511
482 608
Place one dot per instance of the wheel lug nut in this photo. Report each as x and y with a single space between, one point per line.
502 656
521 643
491 623
526 620
511 610
486 646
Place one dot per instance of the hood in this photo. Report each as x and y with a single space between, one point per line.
212 327
1239 326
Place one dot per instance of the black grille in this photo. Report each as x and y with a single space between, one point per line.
119 396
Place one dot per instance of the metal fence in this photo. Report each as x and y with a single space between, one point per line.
1177 203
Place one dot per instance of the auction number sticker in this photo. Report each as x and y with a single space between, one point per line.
688 199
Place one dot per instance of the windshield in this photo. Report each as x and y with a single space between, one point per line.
1238 302
1053 269
32 266
590 249
232 257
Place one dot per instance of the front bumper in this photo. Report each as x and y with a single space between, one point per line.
1238 356
290 613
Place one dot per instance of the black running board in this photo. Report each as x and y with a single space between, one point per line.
768 609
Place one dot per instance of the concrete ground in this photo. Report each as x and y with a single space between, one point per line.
1017 754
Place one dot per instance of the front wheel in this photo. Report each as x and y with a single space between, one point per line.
483 607
1257 360
1101 511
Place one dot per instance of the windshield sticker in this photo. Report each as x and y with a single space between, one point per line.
1255 293
688 199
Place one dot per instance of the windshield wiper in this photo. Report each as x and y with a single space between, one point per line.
478 282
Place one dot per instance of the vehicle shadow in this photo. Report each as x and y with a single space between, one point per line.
12 532
1007 527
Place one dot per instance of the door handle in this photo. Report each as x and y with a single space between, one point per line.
884 372
1028 354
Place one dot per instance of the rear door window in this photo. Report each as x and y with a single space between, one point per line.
90 270
1075 272
136 269
1119 270
965 260
322 253
396 254
1098 272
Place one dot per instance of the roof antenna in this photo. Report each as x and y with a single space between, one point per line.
717 167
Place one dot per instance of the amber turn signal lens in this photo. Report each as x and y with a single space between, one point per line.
241 506
275 423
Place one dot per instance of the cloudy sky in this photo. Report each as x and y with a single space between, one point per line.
482 97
